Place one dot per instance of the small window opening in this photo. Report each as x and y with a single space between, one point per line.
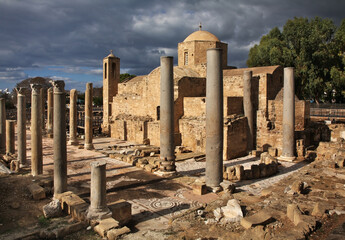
186 58
158 112
105 70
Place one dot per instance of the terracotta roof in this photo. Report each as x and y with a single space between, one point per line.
256 70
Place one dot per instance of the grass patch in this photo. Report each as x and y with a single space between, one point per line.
43 222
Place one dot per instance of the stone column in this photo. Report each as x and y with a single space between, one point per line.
10 136
43 111
36 131
21 126
88 117
167 147
2 125
73 118
248 107
288 153
214 119
98 206
60 148
50 110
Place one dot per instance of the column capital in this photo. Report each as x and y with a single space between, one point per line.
59 86
21 90
36 88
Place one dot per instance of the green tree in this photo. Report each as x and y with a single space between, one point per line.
310 46
126 77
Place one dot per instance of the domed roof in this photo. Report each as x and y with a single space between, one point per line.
201 35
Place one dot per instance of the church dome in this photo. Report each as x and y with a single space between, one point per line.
201 35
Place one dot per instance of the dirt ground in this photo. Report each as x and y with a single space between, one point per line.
167 208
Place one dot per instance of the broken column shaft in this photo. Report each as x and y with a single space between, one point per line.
248 107
88 117
21 126
2 125
73 118
50 110
167 147
36 131
288 153
98 206
10 136
214 118
60 151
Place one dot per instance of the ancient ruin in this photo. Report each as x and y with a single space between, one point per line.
201 150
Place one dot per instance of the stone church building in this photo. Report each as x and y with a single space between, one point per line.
132 111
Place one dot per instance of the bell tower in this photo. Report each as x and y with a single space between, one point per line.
111 78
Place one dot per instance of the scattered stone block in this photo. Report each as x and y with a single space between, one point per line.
232 211
340 161
37 191
105 225
260 218
272 151
115 233
228 186
297 186
14 165
121 211
52 209
199 188
318 210
256 153
266 192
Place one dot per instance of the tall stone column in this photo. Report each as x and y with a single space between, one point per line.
59 145
10 136
88 117
50 110
36 131
2 125
21 126
248 107
43 104
288 153
73 118
167 147
98 206
214 119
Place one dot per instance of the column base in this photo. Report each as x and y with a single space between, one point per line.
214 189
165 174
21 165
287 159
73 142
97 214
88 146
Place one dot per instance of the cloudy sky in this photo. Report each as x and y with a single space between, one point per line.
67 39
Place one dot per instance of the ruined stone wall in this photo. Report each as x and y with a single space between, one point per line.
270 128
235 138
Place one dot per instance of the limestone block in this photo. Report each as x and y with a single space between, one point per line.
239 172
105 225
247 174
228 186
199 188
255 171
232 211
14 165
70 202
115 233
121 211
297 186
52 209
37 191
272 151
260 218
340 160
263 170
225 175
318 210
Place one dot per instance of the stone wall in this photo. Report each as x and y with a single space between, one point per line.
270 128
235 138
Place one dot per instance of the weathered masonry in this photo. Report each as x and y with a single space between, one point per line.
132 108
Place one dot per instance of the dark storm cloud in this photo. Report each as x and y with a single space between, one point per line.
77 34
